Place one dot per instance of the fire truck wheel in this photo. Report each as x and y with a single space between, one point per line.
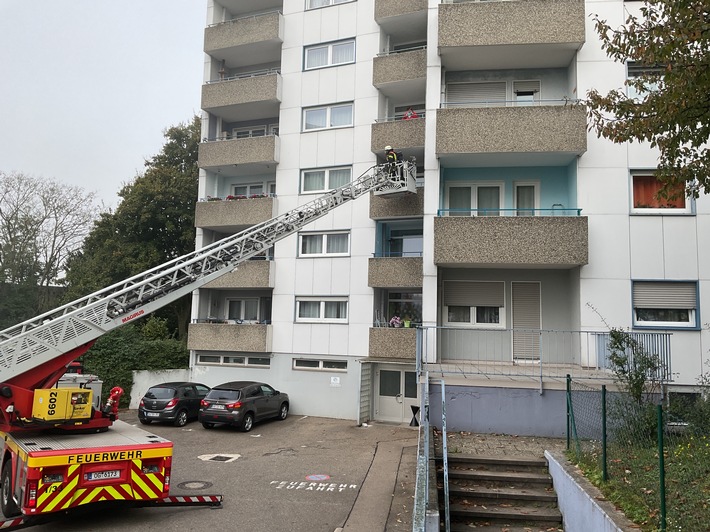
9 508
180 419
247 422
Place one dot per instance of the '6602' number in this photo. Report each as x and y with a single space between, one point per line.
52 403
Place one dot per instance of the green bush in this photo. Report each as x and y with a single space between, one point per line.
115 356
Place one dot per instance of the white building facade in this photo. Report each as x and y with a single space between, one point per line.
527 239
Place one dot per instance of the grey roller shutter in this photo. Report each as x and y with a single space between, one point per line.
474 293
463 93
664 295
526 316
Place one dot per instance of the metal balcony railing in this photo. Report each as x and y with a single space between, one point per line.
245 17
554 211
246 75
495 102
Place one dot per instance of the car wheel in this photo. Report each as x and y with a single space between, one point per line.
247 422
207 425
181 419
144 421
9 508
283 411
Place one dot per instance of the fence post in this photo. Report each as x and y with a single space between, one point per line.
568 402
661 468
605 472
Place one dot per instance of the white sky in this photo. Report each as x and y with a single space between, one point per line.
88 86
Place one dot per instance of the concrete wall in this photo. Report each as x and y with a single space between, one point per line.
519 411
142 380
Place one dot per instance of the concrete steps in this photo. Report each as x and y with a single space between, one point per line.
499 493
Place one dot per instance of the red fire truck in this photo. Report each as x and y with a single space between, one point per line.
60 450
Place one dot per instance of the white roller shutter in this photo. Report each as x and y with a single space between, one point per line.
526 316
487 93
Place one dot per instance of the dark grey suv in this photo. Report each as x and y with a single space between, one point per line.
242 403
174 402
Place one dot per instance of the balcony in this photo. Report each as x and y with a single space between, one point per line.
511 241
229 337
534 34
404 206
248 96
511 135
249 274
404 19
233 215
252 155
401 75
394 272
393 343
247 40
404 135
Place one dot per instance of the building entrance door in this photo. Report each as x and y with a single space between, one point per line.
396 392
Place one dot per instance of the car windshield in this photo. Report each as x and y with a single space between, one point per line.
160 393
223 395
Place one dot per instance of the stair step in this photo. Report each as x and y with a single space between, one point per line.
497 494
506 477
465 527
506 513
524 461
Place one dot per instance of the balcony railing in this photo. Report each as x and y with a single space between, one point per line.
554 211
242 19
400 116
530 353
246 75
497 102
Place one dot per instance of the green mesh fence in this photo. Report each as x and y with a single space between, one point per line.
672 493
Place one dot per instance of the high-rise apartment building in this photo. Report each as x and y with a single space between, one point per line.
527 239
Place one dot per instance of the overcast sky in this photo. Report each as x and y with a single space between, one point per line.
88 86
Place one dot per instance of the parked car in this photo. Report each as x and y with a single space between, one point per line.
241 404
174 402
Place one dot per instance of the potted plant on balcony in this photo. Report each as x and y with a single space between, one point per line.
395 321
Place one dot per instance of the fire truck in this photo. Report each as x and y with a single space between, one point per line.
60 450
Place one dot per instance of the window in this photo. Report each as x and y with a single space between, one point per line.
526 92
400 238
479 303
478 200
313 4
241 310
642 80
406 305
526 199
332 116
646 186
324 179
325 310
254 189
320 365
332 54
321 244
663 304
247 132
231 360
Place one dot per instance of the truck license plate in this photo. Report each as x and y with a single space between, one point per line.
104 475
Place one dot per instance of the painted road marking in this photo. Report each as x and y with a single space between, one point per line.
325 487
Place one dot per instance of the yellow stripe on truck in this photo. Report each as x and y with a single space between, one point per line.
95 458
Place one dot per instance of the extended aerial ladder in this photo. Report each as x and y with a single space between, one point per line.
35 353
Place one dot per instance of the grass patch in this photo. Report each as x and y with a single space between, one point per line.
634 481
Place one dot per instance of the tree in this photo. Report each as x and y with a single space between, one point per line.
41 223
671 39
153 223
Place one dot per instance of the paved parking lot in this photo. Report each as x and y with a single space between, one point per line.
303 474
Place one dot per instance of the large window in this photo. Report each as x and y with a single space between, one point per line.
646 186
331 54
241 310
331 116
322 310
399 238
324 244
407 306
320 365
474 303
313 4
526 199
477 200
664 304
247 132
320 180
